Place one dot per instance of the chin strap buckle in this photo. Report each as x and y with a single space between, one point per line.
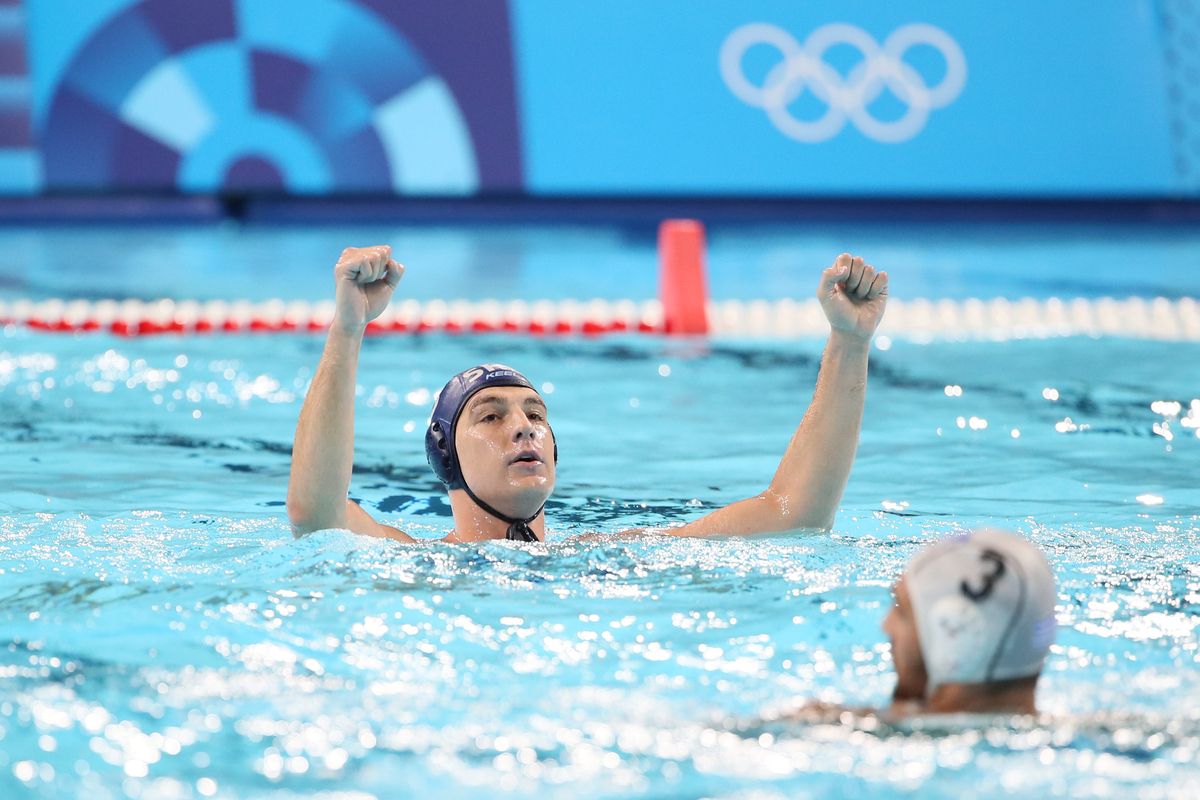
520 531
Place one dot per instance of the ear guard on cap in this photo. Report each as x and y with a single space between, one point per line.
438 453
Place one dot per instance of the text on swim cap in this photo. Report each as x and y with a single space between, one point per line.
989 579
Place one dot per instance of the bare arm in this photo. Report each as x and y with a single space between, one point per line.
808 485
323 453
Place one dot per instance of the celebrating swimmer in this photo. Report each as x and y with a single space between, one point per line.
489 438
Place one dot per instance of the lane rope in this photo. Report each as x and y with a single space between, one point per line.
917 320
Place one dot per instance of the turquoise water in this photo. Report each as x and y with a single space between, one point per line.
164 636
935 260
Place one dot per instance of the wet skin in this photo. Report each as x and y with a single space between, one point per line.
506 449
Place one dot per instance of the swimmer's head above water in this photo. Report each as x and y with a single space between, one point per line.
490 442
972 624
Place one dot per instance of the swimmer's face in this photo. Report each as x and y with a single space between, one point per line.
506 450
901 627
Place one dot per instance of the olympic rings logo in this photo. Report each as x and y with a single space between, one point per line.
803 68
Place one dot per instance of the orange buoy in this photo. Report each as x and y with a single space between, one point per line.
682 286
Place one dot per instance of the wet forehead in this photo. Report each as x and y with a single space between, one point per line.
506 395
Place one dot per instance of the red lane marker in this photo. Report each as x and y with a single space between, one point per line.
540 325
681 282
147 327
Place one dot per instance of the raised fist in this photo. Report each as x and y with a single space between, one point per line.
365 278
853 296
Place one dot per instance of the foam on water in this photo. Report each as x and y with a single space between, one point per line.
163 635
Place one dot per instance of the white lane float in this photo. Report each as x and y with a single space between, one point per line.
683 309
917 320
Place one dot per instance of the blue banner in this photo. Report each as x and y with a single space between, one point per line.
846 97
934 98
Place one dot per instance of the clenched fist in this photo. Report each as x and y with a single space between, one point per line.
365 278
853 296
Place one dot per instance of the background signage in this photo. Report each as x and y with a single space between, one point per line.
668 97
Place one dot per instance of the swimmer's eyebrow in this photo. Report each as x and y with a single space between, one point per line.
482 399
497 400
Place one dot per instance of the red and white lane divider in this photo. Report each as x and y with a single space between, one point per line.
919 320
134 317
684 310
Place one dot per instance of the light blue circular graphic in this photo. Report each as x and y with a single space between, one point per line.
311 96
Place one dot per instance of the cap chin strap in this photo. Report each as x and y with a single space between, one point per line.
518 529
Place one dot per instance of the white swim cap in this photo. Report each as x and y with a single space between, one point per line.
984 608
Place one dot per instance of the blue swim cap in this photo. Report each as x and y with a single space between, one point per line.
443 423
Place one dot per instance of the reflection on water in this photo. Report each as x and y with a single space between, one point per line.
155 649
162 635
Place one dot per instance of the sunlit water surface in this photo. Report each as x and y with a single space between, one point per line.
162 635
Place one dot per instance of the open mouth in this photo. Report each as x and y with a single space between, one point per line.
527 457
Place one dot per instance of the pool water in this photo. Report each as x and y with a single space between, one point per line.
164 636
530 262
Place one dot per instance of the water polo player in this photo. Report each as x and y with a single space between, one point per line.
970 629
971 626
490 440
